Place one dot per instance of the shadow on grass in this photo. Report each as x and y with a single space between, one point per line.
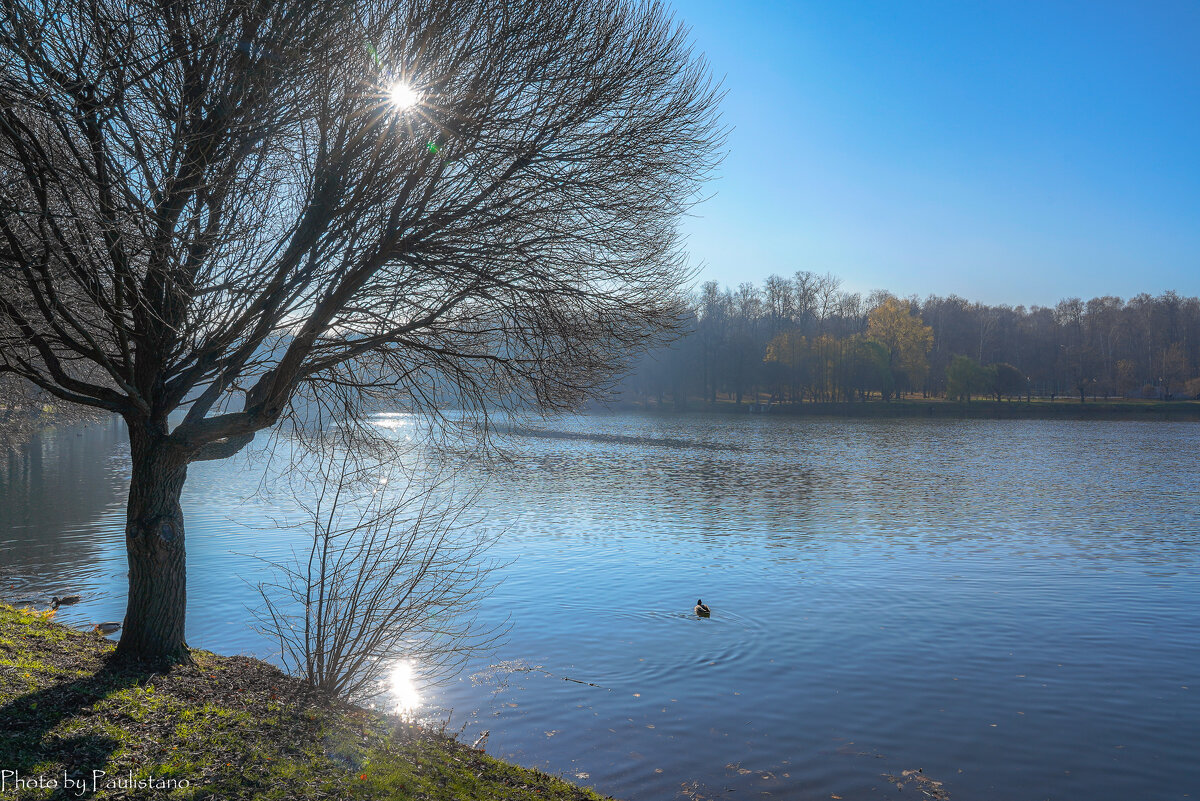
28 723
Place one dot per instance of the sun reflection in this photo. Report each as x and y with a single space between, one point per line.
394 420
403 96
402 685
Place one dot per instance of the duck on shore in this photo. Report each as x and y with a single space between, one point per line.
106 628
702 608
66 600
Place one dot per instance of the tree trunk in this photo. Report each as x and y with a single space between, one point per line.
154 616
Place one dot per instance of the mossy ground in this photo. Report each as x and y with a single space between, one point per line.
221 728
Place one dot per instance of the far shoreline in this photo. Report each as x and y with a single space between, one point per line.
1037 409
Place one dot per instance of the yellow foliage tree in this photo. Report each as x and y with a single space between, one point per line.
787 348
906 338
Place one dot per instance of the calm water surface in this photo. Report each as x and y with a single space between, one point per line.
1010 606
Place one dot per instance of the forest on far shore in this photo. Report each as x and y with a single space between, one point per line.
804 339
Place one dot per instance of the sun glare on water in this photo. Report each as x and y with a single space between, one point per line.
402 686
403 96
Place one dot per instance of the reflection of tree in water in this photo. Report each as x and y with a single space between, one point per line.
56 507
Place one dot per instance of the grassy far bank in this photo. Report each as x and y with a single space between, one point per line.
222 728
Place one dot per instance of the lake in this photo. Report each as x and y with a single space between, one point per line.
1009 606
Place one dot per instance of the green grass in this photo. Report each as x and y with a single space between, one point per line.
220 728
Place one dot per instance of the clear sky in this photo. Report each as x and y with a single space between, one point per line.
1008 152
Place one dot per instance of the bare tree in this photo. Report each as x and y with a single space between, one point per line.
394 571
220 204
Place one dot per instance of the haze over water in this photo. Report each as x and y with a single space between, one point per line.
1009 606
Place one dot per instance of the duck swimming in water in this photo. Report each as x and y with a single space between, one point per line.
67 600
702 608
106 628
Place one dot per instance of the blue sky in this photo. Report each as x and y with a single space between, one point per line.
1008 152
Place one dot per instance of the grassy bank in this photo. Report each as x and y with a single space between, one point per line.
222 728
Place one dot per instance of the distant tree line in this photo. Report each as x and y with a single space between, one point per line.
804 339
